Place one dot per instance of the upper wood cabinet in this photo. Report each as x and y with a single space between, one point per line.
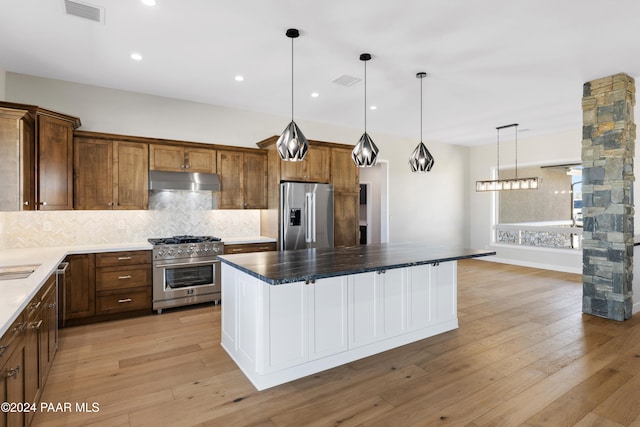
176 158
17 150
110 174
243 179
345 175
314 168
55 163
37 145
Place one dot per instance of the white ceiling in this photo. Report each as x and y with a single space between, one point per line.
489 63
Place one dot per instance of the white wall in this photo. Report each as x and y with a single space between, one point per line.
3 79
565 147
429 207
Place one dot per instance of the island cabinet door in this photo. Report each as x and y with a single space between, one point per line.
327 299
444 278
421 300
378 302
284 328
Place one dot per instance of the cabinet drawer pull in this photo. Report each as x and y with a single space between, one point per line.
20 327
236 250
37 325
124 277
13 373
123 258
53 304
3 349
37 306
124 300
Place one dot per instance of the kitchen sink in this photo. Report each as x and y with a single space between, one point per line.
17 271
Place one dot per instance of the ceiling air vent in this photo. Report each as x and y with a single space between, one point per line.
84 10
345 80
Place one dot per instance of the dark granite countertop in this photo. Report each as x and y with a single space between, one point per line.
279 267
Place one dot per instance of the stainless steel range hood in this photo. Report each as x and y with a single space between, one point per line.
161 180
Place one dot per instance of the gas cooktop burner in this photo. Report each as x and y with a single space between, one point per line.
175 240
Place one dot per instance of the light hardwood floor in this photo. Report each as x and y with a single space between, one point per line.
524 355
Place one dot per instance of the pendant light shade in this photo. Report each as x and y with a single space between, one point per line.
421 159
292 145
365 153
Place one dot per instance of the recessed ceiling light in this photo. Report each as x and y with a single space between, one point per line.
136 56
315 94
373 107
149 2
239 78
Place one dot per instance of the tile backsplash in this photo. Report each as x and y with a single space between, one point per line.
170 214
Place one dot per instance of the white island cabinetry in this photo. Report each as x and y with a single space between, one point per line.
278 333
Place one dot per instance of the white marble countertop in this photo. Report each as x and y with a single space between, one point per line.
247 240
16 294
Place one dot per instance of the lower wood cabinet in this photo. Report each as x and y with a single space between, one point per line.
27 351
12 372
103 285
241 248
80 288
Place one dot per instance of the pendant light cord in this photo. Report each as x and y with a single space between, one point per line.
516 151
292 79
365 96
498 156
421 109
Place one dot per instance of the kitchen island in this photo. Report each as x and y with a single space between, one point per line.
289 314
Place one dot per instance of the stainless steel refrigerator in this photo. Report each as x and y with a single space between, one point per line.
306 211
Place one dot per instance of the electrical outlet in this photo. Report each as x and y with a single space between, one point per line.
121 225
46 226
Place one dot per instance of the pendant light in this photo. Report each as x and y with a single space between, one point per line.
292 145
365 153
516 183
421 159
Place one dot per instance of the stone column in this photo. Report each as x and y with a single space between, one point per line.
608 139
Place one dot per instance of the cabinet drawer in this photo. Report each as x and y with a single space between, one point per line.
116 302
249 247
112 259
11 338
114 278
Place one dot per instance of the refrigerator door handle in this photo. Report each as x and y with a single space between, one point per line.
310 201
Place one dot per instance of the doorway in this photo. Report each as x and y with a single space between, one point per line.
374 206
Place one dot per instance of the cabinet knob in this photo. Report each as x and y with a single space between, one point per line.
42 203
13 373
26 203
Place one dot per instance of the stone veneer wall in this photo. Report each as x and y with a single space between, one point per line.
607 191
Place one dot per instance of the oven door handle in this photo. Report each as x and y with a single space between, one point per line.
186 264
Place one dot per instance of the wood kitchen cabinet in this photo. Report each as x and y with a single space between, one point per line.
123 282
12 372
345 177
44 174
17 149
243 179
314 168
242 248
110 173
345 224
176 158
40 342
80 288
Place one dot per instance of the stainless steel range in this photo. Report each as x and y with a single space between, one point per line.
186 270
